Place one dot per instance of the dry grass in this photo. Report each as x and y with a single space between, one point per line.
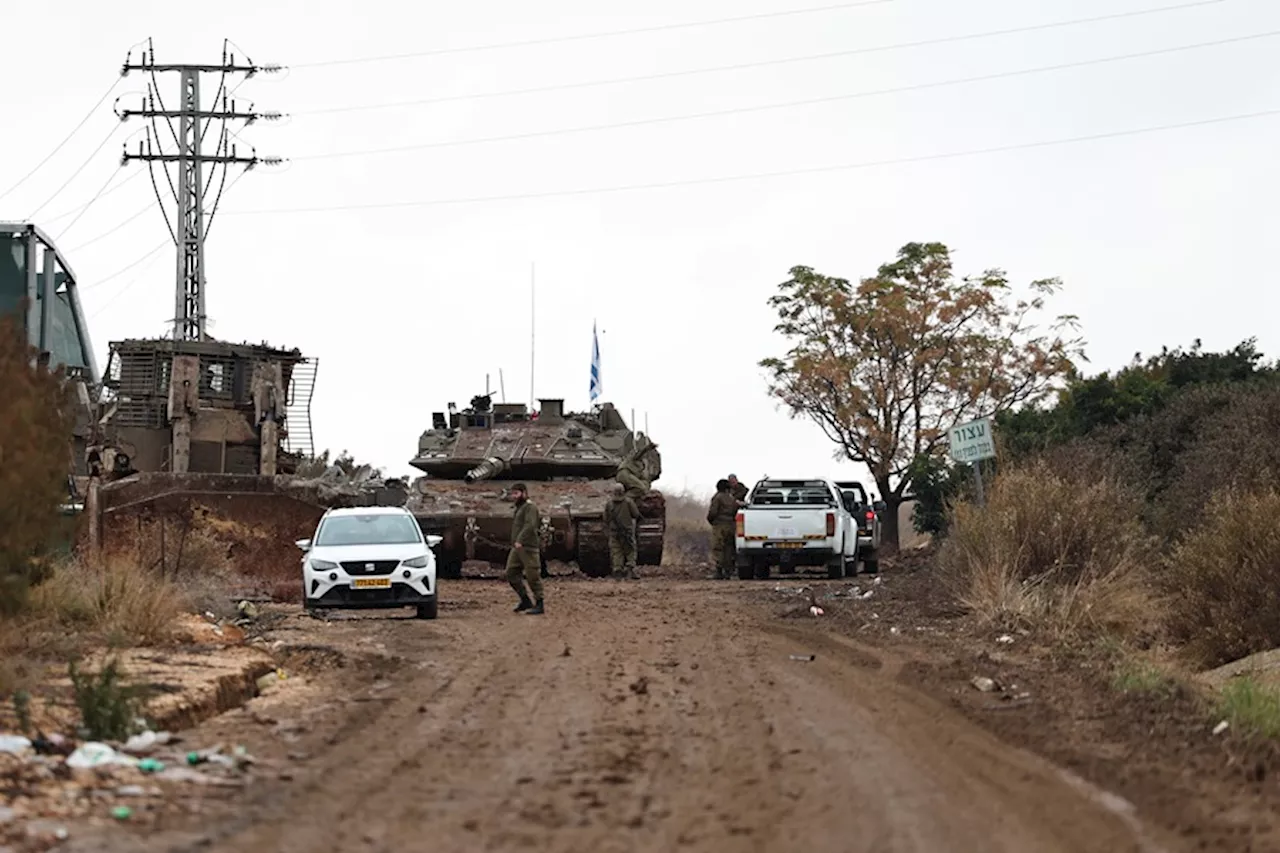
1052 552
119 600
688 536
1224 579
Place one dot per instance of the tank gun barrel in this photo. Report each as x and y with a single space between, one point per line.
489 468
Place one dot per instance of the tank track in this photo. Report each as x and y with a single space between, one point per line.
651 532
593 549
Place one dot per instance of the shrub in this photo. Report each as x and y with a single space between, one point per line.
108 704
1052 551
1224 579
119 599
688 536
35 456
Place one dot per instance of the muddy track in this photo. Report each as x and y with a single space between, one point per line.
659 715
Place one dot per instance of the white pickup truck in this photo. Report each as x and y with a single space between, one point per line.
867 518
792 523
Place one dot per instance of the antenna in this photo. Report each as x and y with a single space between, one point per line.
486 385
502 386
532 325
646 423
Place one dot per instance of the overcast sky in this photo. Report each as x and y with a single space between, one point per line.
1156 235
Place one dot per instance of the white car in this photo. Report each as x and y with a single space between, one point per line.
369 557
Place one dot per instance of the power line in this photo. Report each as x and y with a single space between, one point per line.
68 138
121 292
149 206
765 175
99 194
742 66
75 210
76 173
812 10
915 87
125 269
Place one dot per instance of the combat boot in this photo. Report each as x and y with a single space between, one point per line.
536 610
524 604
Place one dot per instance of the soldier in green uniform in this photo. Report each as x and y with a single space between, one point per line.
523 561
620 516
738 490
722 515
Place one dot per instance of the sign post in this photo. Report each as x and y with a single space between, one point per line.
971 443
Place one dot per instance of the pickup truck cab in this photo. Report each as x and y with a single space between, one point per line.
792 523
867 520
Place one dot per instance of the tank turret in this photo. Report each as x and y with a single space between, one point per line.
569 461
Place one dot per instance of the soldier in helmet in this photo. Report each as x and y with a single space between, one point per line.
523 561
738 490
722 515
620 516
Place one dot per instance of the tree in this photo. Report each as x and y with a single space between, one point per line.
36 421
1142 388
886 367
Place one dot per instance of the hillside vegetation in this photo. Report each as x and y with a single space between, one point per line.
1144 503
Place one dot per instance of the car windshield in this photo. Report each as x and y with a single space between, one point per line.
372 529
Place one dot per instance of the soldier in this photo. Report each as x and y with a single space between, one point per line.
721 515
620 518
738 490
523 561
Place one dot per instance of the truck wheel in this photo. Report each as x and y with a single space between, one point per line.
871 562
835 569
745 571
762 571
429 609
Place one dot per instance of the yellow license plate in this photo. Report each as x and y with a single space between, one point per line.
371 583
788 544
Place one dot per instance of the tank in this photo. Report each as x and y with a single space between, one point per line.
472 457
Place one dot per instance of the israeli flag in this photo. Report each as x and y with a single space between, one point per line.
595 364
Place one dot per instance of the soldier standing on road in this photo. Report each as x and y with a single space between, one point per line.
620 516
738 490
523 561
721 515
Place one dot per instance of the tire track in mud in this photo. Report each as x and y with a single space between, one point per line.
658 716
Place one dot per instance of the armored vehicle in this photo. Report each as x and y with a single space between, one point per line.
569 462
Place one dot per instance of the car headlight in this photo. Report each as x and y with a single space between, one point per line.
417 562
323 565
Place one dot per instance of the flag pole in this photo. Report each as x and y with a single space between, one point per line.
532 326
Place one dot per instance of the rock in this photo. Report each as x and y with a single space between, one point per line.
1005 639
986 685
1221 727
6 815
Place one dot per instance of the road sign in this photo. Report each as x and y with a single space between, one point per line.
973 441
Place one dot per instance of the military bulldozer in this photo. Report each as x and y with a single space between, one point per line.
569 462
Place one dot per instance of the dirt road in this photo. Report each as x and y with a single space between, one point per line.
654 715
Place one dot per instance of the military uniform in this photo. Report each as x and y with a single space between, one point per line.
524 563
721 515
739 491
620 516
